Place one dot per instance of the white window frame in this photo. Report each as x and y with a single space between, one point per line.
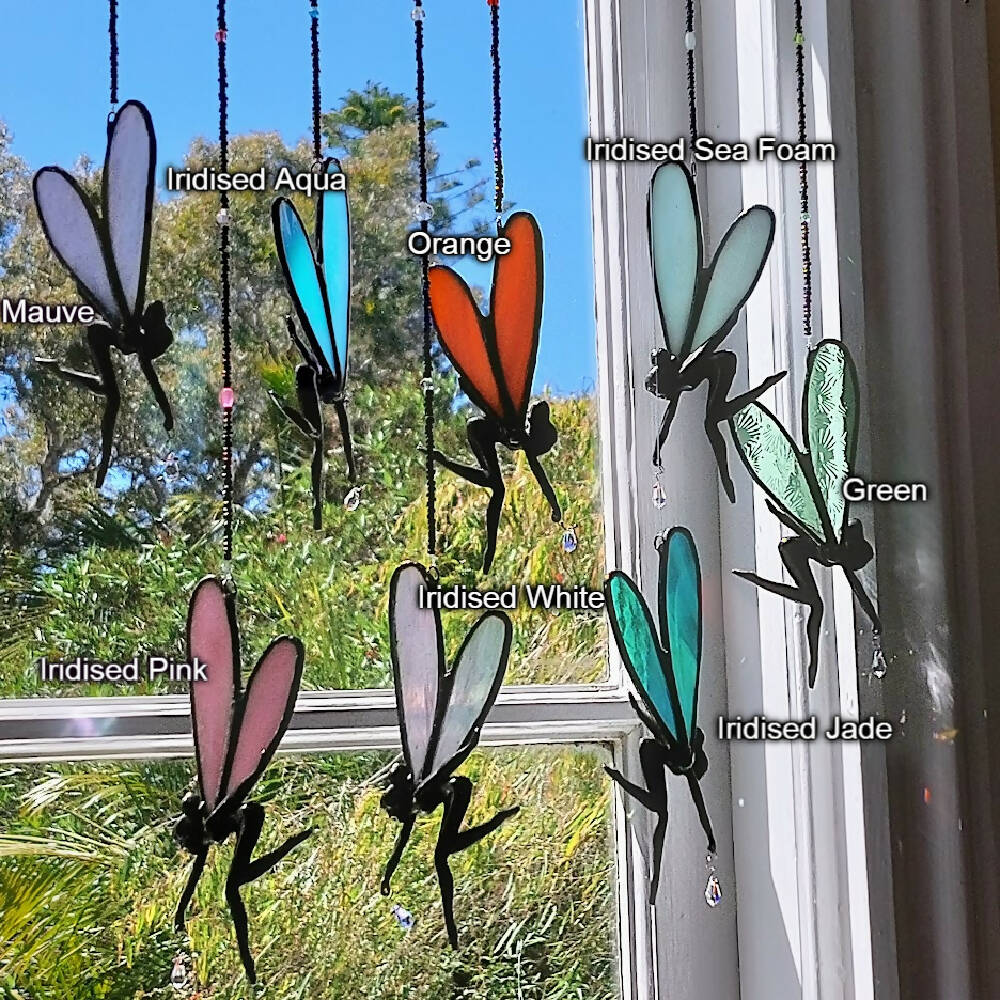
800 859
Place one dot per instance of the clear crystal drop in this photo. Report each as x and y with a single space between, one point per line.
713 890
353 499
403 917
659 494
427 385
223 217
424 211
418 13
879 665
178 975
569 540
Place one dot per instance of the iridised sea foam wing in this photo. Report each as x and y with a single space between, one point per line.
735 271
416 646
675 244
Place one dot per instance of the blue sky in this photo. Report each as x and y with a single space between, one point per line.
54 87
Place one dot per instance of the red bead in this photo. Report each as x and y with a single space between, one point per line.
492 3
227 397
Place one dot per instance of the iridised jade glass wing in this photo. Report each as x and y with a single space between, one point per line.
681 592
773 460
636 636
831 421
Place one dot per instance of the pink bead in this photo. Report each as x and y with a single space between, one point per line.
227 398
220 36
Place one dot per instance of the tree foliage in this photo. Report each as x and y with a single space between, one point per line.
49 445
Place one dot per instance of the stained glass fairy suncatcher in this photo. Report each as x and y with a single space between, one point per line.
107 253
235 736
665 669
441 715
495 359
805 487
320 287
699 305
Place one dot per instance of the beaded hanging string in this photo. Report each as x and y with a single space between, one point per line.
879 663
317 100
424 213
804 219
690 44
113 55
713 887
570 540
227 396
494 6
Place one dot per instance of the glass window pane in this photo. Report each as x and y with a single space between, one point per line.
107 575
90 875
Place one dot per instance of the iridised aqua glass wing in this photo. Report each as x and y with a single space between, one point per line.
295 252
334 231
772 459
831 421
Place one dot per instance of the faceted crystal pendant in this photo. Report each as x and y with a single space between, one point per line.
403 917
713 890
178 975
569 540
659 494
879 665
352 501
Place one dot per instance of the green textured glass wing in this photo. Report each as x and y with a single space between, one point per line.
635 635
772 459
831 422
680 605
675 244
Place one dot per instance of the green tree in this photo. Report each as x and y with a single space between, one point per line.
49 445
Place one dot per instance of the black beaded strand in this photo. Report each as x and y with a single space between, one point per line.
424 212
690 42
316 94
804 222
113 52
226 395
494 6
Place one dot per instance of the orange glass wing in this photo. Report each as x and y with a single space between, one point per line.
516 307
460 328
